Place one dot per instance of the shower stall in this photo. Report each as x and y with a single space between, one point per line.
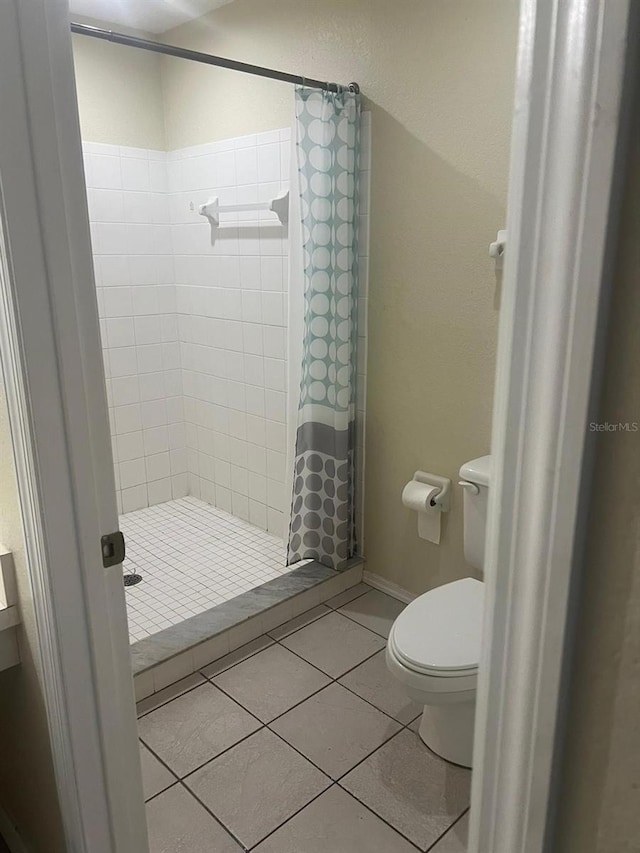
194 342
203 328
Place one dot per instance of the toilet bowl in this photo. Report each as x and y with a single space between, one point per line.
434 644
433 650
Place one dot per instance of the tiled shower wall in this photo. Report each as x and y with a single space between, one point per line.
232 317
194 329
133 259
194 332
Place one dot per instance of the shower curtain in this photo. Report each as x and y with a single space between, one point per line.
323 503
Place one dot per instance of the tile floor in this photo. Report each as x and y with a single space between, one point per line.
299 742
192 557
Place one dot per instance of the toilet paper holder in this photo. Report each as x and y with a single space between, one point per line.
442 500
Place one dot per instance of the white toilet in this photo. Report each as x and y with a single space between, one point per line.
434 644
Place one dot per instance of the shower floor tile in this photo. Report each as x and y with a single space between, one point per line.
192 557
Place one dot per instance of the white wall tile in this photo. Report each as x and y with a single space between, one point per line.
240 505
152 386
274 345
274 374
272 273
276 465
128 418
258 514
132 473
247 165
145 300
130 446
158 466
257 430
120 332
275 494
257 487
118 302
275 406
256 459
275 522
269 162
153 413
275 436
106 205
114 270
160 491
105 171
156 440
135 173
149 358
179 486
273 309
125 390
134 498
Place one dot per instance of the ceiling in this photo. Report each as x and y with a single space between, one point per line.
152 16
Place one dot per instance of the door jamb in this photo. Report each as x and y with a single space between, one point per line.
569 110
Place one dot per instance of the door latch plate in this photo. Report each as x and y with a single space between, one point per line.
113 549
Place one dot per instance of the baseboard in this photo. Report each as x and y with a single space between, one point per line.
10 835
388 587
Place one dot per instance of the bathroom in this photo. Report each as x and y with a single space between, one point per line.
202 335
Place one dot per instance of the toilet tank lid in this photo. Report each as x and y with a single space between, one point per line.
477 471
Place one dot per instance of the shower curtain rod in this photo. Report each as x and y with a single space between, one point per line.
206 58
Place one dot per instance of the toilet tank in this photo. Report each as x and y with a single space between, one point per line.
475 476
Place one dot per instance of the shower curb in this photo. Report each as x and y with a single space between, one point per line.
182 649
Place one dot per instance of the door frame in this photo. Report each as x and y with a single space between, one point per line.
570 79
56 397
569 127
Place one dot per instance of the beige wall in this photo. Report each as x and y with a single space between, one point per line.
438 77
600 793
27 786
119 92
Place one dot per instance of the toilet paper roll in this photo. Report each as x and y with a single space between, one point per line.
418 497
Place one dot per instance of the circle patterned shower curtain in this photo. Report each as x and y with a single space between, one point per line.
323 503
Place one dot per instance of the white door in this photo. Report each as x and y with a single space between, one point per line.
51 355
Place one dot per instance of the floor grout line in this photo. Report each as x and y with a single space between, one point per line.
337 782
215 817
163 791
456 821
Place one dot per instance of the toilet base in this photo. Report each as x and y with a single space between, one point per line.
448 731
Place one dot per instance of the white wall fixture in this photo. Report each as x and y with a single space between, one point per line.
212 209
498 248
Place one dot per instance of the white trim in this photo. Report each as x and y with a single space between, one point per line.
388 587
58 415
567 111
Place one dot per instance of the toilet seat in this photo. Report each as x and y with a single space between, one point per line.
439 634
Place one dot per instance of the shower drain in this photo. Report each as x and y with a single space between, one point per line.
132 579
